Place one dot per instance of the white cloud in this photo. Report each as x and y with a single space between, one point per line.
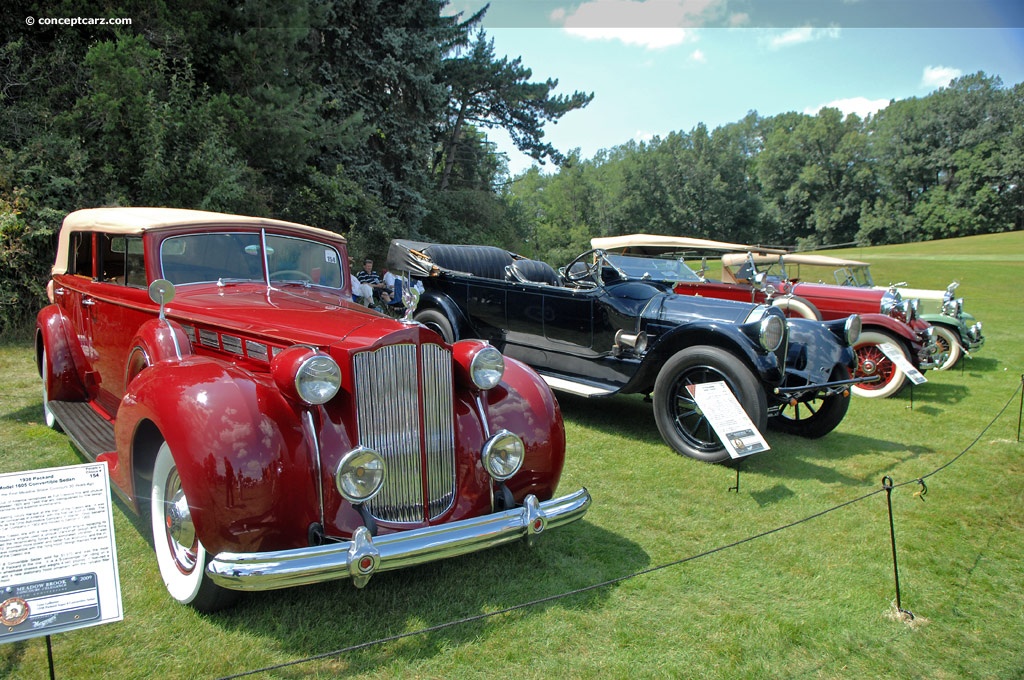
862 106
938 76
698 56
797 36
653 24
642 136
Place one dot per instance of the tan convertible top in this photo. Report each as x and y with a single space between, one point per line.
134 221
653 244
731 259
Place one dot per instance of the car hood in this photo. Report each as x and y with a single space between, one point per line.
289 314
680 308
827 291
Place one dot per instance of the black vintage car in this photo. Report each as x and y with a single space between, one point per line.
591 329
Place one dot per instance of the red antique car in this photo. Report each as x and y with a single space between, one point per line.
747 274
276 433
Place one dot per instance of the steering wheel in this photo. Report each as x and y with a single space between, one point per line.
584 273
290 275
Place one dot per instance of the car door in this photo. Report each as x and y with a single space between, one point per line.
550 327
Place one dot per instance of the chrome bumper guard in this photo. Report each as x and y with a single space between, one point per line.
364 555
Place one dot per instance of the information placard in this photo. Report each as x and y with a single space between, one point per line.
728 419
897 357
58 558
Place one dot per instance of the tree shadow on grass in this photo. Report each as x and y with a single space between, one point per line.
325 618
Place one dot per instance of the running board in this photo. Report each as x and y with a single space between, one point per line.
92 433
578 388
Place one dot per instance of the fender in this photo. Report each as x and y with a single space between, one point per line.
799 306
239 448
441 302
156 341
524 404
64 354
874 322
725 335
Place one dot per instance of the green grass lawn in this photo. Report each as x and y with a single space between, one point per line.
811 600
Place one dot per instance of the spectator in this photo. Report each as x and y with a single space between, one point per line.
361 291
380 291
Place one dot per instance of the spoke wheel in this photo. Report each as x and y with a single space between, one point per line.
872 361
815 416
948 343
179 553
680 420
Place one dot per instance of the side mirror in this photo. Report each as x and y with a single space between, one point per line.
161 292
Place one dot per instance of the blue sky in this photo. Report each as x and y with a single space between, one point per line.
657 66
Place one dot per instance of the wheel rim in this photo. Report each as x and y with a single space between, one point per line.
690 422
802 410
179 531
872 361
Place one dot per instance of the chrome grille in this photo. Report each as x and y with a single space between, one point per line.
388 406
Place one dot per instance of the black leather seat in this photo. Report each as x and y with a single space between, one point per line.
488 262
533 271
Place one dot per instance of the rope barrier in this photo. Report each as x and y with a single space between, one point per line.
887 488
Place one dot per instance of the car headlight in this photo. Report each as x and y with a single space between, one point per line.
360 475
303 373
853 327
318 379
487 367
503 455
772 332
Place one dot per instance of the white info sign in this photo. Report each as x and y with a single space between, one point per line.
730 422
897 357
58 559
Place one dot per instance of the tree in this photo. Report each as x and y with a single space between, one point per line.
487 92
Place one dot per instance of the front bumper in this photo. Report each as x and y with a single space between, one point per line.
363 556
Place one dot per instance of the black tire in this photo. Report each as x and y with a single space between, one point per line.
680 421
872 361
816 416
180 554
437 322
948 342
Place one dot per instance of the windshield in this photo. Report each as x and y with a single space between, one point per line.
653 268
209 257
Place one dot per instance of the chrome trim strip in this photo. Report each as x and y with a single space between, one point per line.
363 556
311 434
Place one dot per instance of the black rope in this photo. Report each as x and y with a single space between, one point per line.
626 577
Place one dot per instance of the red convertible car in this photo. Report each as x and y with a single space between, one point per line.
276 433
753 274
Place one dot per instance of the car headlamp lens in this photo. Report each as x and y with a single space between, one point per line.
360 475
487 367
503 455
773 330
318 379
853 328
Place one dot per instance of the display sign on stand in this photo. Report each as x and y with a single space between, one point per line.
58 558
730 422
897 357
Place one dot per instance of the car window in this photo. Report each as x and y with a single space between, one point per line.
299 259
122 260
655 268
80 254
207 257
